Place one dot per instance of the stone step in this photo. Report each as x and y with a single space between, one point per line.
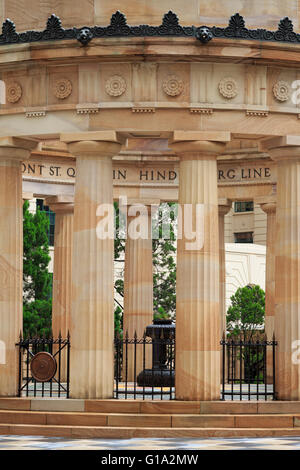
128 432
150 407
87 419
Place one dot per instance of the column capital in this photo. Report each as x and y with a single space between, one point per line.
27 196
267 203
282 148
61 204
16 148
98 143
190 145
224 206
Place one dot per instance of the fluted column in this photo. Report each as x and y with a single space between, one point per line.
92 319
138 284
12 152
197 299
269 207
63 206
224 207
286 151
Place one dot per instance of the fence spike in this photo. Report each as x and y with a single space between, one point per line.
135 335
126 335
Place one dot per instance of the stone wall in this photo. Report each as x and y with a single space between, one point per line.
32 14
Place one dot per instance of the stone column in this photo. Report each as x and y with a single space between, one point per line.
224 206
197 306
138 284
63 206
269 207
286 151
92 318
12 152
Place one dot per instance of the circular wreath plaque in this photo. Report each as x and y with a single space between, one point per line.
13 92
228 88
115 86
281 90
62 88
173 86
43 367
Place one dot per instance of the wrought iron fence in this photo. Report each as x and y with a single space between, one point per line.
44 367
248 370
144 368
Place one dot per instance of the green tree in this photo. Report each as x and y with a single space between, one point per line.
37 281
246 314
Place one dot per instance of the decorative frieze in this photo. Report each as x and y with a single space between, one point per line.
170 26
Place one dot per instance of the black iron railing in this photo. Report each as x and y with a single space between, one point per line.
248 370
44 367
144 368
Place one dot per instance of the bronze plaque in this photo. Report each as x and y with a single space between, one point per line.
43 367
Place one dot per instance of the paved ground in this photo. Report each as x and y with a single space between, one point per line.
45 443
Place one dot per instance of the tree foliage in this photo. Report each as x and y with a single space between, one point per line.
37 283
247 312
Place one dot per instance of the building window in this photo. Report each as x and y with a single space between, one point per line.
243 206
243 237
51 215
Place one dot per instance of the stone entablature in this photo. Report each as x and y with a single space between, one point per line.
140 172
92 87
143 176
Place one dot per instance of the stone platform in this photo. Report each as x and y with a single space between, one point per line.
138 418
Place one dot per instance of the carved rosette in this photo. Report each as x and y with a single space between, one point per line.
62 88
228 88
281 90
13 92
115 85
173 86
